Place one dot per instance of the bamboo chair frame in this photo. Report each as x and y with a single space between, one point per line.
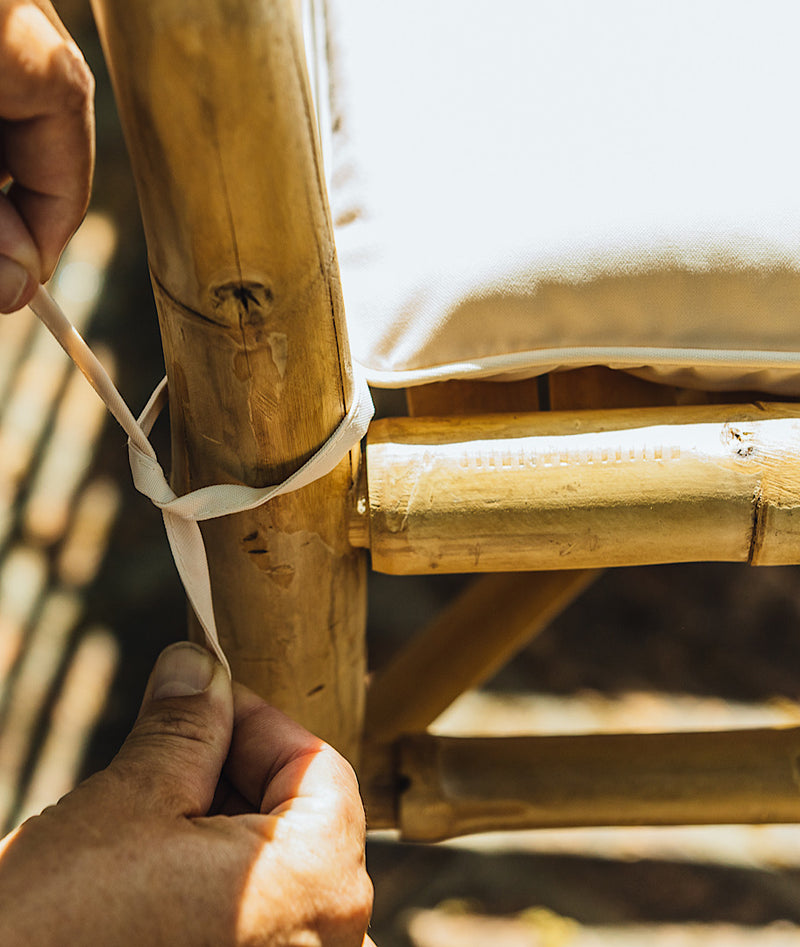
246 284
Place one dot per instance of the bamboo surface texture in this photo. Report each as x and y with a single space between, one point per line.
456 786
564 490
217 114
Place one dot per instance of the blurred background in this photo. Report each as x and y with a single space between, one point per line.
89 596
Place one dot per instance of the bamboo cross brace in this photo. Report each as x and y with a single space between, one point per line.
468 642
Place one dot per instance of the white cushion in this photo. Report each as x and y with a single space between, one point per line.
521 185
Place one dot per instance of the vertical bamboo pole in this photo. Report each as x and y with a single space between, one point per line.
217 114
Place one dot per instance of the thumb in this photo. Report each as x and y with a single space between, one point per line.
172 759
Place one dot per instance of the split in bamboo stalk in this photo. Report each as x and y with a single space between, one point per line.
474 637
217 113
585 489
456 786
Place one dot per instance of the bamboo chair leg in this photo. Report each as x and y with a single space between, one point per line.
474 637
218 118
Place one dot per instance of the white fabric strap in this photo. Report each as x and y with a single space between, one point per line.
182 514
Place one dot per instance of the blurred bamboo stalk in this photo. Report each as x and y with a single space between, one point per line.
75 712
459 785
474 637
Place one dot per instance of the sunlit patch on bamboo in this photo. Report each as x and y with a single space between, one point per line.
71 721
66 458
712 761
693 484
444 927
41 663
16 332
85 544
32 399
22 582
34 384
55 522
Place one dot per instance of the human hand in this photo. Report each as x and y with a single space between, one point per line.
46 145
175 844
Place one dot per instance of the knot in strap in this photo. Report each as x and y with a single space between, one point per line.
182 513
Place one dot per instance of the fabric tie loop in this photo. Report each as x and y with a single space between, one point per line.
182 513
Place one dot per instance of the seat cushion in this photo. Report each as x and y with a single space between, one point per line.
523 185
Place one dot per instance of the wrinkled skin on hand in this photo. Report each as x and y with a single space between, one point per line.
46 145
220 822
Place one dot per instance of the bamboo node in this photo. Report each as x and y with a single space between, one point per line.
241 302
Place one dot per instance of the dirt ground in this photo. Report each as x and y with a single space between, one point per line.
642 646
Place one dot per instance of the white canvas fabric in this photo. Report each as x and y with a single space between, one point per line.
524 185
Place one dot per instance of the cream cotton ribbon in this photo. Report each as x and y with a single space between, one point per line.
183 513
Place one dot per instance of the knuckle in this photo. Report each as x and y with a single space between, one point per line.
341 913
75 78
351 916
173 722
364 899
148 785
351 807
329 896
348 897
125 779
171 729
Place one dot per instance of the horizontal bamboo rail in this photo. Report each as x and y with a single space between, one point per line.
566 490
450 786
473 637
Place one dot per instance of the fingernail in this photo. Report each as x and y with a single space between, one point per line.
14 280
182 669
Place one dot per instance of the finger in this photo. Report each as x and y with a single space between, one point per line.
19 259
276 764
309 798
265 742
49 11
229 801
172 759
50 159
46 102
